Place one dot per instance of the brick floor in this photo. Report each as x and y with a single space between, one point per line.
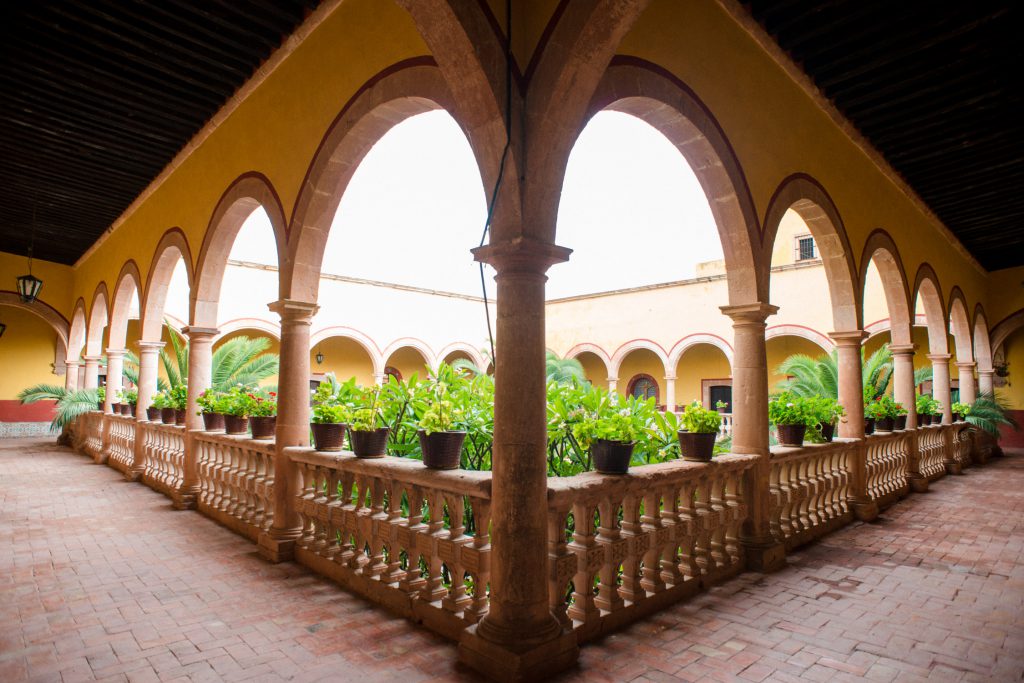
101 580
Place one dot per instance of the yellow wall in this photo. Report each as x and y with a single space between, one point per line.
345 358
784 250
408 362
26 352
594 369
57 280
780 348
1006 294
1013 391
642 361
274 348
700 362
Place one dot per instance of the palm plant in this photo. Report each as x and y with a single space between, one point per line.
563 370
988 413
820 376
70 404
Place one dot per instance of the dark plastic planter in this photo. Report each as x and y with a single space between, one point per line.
236 425
153 414
900 423
373 443
213 422
328 436
179 417
884 424
167 416
612 457
263 427
957 417
442 450
696 447
791 435
99 405
828 431
869 425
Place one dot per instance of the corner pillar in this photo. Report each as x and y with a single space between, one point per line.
71 378
92 371
278 544
986 381
115 372
519 639
750 430
940 384
968 389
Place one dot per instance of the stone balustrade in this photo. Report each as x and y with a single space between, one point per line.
931 451
887 466
621 547
809 489
119 450
725 428
413 539
163 464
88 434
236 481
963 444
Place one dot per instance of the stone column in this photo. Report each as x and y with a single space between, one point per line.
670 393
750 430
940 384
200 360
968 390
71 378
903 389
613 384
92 371
278 544
149 357
986 381
851 382
519 637
115 372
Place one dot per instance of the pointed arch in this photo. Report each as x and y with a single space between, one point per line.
247 193
929 292
172 246
127 288
982 345
808 198
371 348
881 249
633 345
97 321
960 326
691 340
650 93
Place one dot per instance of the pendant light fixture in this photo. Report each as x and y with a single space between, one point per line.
29 285
319 357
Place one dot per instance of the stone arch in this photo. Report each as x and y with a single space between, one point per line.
98 320
804 195
692 340
620 353
127 289
591 348
929 292
244 196
960 326
269 328
405 90
819 339
418 345
881 249
172 246
51 317
982 345
371 348
474 355
650 93
76 333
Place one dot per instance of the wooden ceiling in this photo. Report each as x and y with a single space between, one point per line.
935 87
97 97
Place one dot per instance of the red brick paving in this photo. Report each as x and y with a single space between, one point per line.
101 580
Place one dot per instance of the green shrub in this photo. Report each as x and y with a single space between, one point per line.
697 420
789 409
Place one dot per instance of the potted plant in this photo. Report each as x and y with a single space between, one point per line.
236 407
883 411
923 403
101 396
960 411
440 439
263 414
368 438
900 421
210 407
721 406
177 398
827 412
131 399
162 402
330 415
610 436
936 412
791 417
697 439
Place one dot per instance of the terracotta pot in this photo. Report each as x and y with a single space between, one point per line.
234 424
442 450
612 457
167 416
828 431
723 410
328 436
372 443
884 424
115 408
900 423
695 447
179 417
213 422
263 427
869 425
152 414
791 435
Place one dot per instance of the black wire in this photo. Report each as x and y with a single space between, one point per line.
501 167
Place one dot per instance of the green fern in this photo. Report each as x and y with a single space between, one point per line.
989 413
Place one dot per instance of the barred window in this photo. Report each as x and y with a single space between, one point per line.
805 248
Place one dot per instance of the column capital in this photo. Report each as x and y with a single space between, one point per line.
939 357
291 310
966 365
116 353
92 359
73 363
987 373
749 313
903 349
199 333
521 255
149 346
670 378
849 337
613 379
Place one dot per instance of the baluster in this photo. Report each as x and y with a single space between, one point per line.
393 572
674 532
608 538
703 526
655 530
307 477
638 544
345 520
777 497
332 509
561 561
413 582
736 513
717 516
434 588
480 571
457 600
590 558
687 530
319 512
378 516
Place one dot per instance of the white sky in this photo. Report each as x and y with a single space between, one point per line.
629 198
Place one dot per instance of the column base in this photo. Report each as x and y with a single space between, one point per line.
918 484
275 548
763 556
499 663
183 500
864 510
954 468
132 475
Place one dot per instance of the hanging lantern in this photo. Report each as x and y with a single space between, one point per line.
29 286
319 358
